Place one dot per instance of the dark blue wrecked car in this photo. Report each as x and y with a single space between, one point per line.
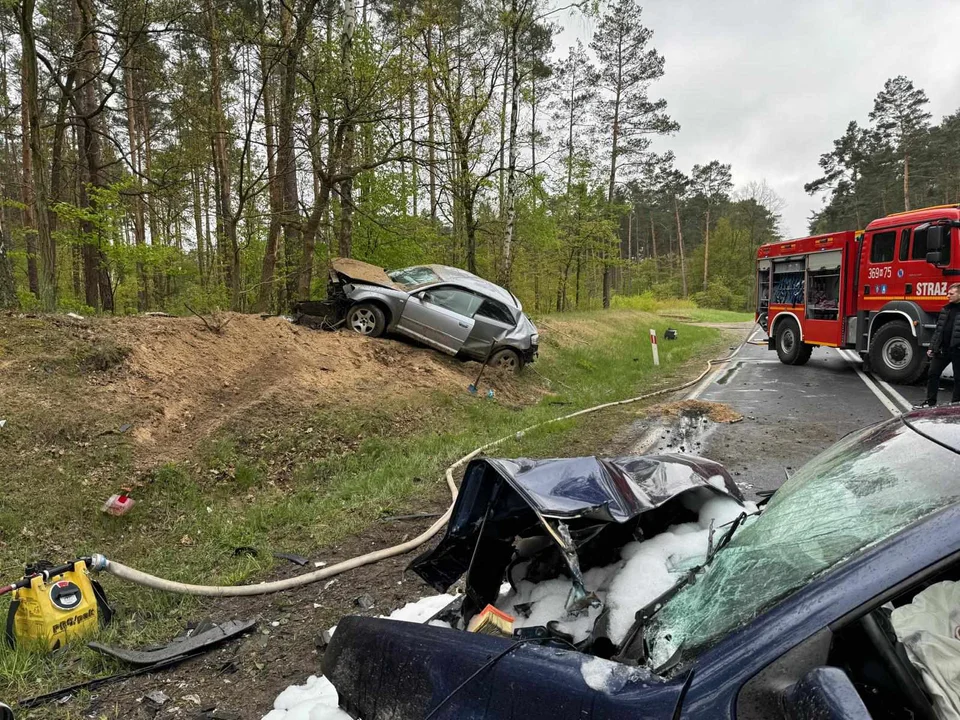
839 600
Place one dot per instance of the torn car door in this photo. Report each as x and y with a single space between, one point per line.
441 317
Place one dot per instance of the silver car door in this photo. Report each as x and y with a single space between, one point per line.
441 317
493 321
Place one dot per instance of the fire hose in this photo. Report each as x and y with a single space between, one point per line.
99 563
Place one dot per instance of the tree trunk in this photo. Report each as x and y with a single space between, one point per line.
8 291
414 176
706 250
349 134
47 277
198 227
292 42
906 181
275 195
29 221
614 148
683 269
653 241
227 232
133 134
431 137
507 259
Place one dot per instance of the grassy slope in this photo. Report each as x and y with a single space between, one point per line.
295 484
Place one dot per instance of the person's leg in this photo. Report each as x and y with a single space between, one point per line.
937 365
955 359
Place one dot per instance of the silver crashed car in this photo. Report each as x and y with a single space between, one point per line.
444 307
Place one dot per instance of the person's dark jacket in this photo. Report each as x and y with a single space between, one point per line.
954 331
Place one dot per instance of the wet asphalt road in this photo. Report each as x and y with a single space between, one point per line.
790 413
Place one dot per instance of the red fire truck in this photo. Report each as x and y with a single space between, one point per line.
875 291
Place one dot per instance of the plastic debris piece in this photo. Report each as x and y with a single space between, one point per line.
292 557
364 601
118 504
157 697
75 316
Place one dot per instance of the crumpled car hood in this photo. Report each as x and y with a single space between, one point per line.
501 499
362 272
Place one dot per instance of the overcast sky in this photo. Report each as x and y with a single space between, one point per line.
768 85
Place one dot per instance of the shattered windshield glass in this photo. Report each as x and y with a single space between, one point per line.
414 276
862 490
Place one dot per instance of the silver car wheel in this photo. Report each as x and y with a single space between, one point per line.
363 321
506 360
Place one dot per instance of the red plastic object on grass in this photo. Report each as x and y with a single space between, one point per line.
118 504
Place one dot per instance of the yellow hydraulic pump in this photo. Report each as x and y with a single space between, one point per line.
54 606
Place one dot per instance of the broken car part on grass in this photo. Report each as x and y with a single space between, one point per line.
204 637
447 308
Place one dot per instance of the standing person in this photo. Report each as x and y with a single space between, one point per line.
945 348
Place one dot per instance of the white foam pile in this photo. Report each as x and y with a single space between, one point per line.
646 570
317 698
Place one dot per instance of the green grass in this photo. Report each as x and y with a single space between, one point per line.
708 315
278 487
683 310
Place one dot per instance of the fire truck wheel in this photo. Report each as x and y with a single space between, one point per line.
790 349
895 355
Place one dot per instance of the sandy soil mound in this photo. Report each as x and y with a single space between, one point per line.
187 379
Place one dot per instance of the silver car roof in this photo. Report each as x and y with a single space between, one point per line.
477 284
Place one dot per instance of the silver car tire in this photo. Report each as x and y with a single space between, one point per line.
367 319
506 359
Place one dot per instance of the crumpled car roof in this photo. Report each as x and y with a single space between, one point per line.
501 498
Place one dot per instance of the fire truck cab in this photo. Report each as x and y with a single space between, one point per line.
877 291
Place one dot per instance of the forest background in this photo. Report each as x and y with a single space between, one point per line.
161 154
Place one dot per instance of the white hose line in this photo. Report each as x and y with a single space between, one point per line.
101 563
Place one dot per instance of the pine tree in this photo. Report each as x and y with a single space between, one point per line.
901 118
628 66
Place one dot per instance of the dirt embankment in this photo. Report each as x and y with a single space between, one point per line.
177 382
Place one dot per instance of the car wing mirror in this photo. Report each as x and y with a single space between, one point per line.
936 235
934 258
824 693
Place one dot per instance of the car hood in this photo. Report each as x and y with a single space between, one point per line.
501 499
362 272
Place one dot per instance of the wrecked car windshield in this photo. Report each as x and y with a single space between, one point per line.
863 490
414 276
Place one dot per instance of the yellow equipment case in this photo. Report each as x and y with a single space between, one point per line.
56 606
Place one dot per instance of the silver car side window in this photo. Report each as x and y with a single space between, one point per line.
495 311
459 301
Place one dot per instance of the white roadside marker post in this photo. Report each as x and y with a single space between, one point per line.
653 342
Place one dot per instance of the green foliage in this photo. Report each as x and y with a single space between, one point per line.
899 159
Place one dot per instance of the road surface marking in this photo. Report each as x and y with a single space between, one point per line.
887 403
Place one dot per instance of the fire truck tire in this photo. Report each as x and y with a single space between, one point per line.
790 349
895 355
